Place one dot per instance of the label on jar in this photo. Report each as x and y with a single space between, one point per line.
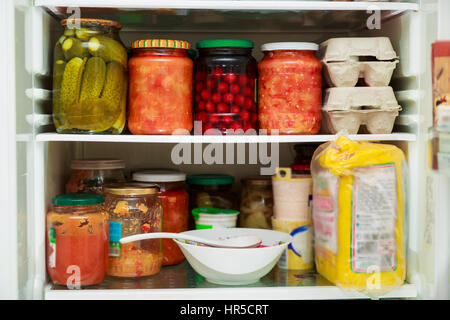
115 233
52 244
374 214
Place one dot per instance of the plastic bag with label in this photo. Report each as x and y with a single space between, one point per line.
358 215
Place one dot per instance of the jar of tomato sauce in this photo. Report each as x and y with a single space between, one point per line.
290 88
133 209
77 240
225 77
160 99
175 201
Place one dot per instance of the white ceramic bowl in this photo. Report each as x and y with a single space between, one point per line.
234 266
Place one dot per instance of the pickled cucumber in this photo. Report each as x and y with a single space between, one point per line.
85 33
108 49
120 122
69 32
93 79
58 72
73 47
61 39
58 54
115 76
71 83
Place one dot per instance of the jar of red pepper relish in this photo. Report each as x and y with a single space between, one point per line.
290 88
225 74
175 201
160 95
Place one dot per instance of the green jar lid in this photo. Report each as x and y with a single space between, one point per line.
78 199
221 43
210 179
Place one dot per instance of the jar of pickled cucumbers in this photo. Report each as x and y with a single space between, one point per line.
90 79
133 209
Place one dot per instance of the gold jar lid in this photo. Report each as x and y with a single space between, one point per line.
131 189
257 180
92 22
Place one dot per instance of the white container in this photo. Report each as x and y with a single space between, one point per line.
292 195
229 266
209 218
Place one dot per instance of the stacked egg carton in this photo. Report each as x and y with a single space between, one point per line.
349 107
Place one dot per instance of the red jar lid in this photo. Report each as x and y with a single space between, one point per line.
300 167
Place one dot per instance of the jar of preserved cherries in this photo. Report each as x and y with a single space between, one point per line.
89 176
225 77
175 203
77 240
290 88
133 209
160 99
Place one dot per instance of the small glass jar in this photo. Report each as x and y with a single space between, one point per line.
225 78
160 100
290 88
90 78
212 190
175 201
133 209
77 240
256 203
89 176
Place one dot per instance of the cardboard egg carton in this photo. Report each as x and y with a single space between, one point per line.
343 49
375 121
347 73
357 98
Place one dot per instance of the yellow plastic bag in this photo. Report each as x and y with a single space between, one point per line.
358 215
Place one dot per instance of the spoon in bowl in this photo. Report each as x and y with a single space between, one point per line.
244 241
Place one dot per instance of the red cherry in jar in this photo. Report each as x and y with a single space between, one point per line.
214 118
243 80
235 109
210 106
217 73
235 88
222 87
216 97
222 108
205 94
228 97
230 77
239 99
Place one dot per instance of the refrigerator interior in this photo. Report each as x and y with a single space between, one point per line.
42 166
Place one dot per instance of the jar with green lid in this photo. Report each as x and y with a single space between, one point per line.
90 79
133 208
256 202
212 190
225 74
77 240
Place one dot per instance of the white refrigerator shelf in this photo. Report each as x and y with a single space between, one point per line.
181 282
219 139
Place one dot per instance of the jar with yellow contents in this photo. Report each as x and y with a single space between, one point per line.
133 209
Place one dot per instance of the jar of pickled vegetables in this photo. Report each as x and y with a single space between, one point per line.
133 209
90 78
290 88
212 190
175 203
89 176
77 240
256 203
225 78
160 100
